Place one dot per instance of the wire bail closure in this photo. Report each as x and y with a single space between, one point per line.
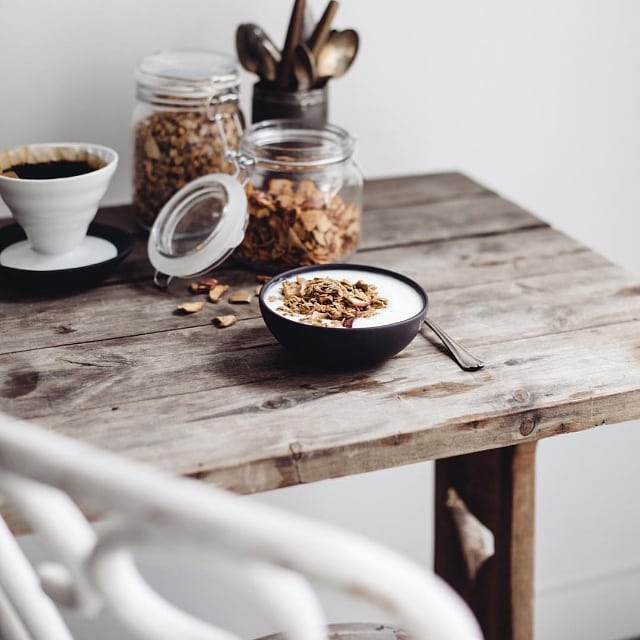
214 114
235 208
161 280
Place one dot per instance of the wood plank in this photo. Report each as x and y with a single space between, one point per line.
522 561
558 324
506 262
379 193
526 308
126 309
263 421
498 487
529 307
499 314
443 220
399 191
427 219
470 261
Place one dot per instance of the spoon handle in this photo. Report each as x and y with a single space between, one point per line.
466 360
291 41
321 31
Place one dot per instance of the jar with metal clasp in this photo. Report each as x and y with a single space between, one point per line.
295 199
174 139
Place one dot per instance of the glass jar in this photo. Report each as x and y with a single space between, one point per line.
175 137
295 199
304 194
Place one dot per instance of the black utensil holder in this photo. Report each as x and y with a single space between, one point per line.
310 107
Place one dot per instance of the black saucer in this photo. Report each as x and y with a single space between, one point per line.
63 279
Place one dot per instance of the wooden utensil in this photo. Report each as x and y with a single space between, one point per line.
284 75
321 31
305 55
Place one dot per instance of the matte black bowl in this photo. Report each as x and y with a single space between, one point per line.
342 346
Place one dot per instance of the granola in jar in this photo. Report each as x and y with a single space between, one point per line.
175 139
295 200
304 194
295 224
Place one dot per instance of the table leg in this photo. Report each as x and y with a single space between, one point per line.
497 487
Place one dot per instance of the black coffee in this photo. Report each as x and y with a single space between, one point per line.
53 169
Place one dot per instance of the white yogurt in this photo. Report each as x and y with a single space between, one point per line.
403 301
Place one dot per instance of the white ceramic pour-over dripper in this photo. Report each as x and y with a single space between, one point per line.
55 213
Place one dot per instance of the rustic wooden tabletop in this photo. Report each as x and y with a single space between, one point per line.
557 324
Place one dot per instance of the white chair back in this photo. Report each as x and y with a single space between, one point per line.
272 555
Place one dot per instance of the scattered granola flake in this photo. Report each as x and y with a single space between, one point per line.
241 296
190 307
329 302
261 277
224 321
217 291
259 289
204 286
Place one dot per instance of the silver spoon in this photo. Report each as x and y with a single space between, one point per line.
306 53
465 360
337 54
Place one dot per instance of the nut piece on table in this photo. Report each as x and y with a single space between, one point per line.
216 292
241 296
224 321
203 286
190 307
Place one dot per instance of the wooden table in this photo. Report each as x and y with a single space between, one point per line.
558 324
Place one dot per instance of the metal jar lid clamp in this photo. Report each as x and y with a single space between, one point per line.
201 224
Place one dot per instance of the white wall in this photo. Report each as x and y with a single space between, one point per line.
539 100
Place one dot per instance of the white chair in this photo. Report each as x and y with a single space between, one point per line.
52 480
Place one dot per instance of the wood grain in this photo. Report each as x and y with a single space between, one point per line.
498 487
471 281
257 420
399 191
557 324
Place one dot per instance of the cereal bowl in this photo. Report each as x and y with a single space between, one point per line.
344 315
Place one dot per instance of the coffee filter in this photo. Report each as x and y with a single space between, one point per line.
31 154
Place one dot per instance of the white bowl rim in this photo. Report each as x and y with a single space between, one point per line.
278 278
112 159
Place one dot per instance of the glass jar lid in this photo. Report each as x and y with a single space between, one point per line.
189 73
199 227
